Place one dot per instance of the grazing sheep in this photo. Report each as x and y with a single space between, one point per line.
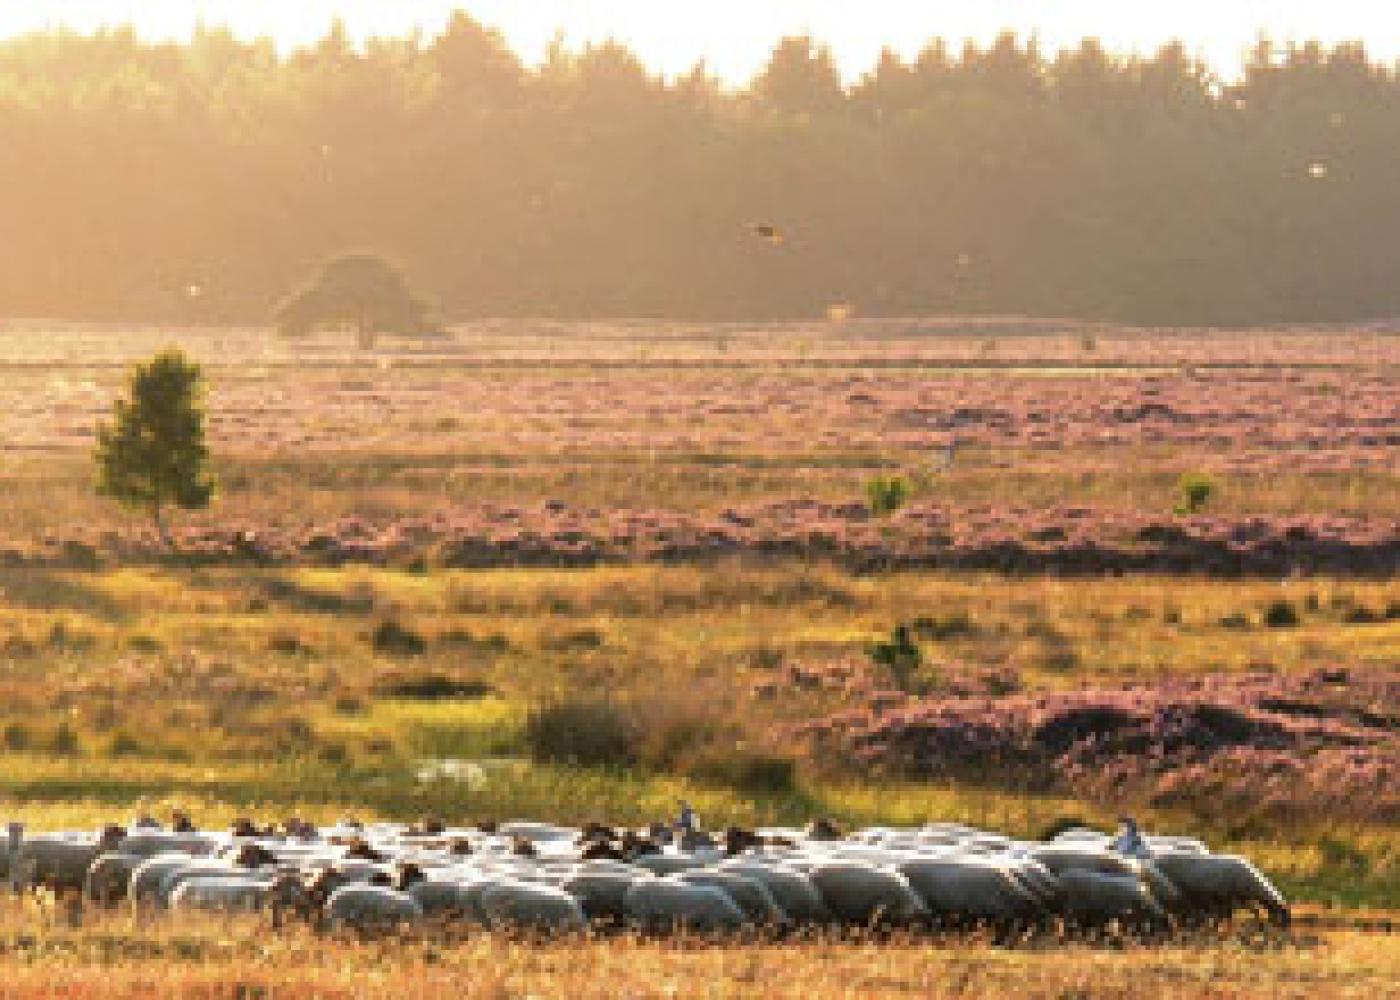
371 907
523 904
148 877
750 895
668 864
221 894
663 904
449 900
1221 882
791 890
1094 898
970 888
602 894
863 894
108 878
60 861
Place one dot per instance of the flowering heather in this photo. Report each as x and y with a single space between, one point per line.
1231 746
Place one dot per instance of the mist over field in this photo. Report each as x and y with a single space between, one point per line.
191 182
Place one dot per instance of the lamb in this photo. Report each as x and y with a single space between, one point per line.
523 904
665 903
863 894
371 907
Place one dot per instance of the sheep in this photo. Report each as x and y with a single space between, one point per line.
750 895
371 907
668 864
220 894
791 890
445 900
665 903
60 861
602 894
109 877
863 894
1093 898
523 904
1221 882
148 876
1085 858
970 888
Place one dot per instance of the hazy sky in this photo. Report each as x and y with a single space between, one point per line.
734 36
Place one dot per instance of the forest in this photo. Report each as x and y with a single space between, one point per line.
196 183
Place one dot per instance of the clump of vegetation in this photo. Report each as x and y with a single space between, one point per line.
433 687
1281 614
1194 490
359 290
747 770
153 456
900 655
392 639
582 731
886 494
951 626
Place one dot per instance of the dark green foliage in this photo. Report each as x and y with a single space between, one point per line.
900 656
152 455
432 687
751 771
392 639
363 292
1194 491
1281 614
886 494
592 733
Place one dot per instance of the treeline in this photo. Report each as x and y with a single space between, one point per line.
199 182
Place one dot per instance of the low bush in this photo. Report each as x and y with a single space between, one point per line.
1281 614
751 771
1194 491
588 732
432 687
886 494
392 639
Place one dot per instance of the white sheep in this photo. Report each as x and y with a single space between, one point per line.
791 890
221 894
1092 897
371 907
863 894
525 904
750 895
665 903
109 877
970 888
439 899
59 860
602 893
1221 882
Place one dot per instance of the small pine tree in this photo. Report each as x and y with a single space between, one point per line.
1194 491
886 494
152 455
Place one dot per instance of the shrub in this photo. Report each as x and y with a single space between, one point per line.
751 771
948 627
64 741
886 494
589 732
433 687
900 656
1281 614
393 639
1194 491
17 737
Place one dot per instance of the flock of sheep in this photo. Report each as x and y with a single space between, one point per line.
561 879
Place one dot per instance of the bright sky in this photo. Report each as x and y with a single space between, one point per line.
735 36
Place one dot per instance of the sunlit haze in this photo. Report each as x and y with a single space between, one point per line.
733 37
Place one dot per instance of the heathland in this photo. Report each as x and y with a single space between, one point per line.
578 570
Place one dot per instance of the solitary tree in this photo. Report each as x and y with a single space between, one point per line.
359 290
152 454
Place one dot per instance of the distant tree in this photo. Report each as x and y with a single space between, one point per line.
152 455
359 290
801 78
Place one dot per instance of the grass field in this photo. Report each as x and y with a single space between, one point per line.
398 687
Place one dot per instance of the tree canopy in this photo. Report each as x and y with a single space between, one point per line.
357 290
987 179
152 455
